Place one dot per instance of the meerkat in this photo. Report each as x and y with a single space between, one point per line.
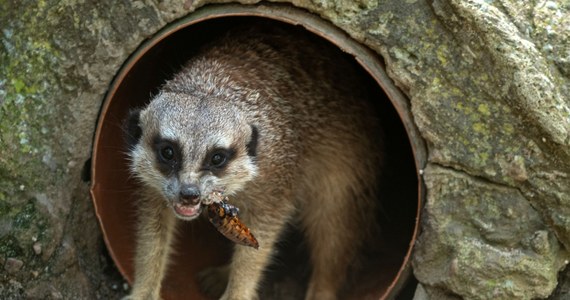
281 123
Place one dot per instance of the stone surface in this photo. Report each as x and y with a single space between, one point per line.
13 265
488 83
433 293
37 248
482 240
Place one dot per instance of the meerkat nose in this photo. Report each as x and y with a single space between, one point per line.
189 194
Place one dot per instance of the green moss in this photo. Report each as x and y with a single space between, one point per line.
18 85
442 54
483 108
27 225
28 62
24 219
483 158
4 207
508 128
9 247
479 128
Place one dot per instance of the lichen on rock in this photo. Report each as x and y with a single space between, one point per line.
54 70
484 240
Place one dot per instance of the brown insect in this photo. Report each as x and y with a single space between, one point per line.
224 218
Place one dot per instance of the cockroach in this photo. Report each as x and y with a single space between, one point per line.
224 218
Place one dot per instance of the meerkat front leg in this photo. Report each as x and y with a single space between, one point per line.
154 238
247 265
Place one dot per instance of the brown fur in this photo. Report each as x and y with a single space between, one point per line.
317 155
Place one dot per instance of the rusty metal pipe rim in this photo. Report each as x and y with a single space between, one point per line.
368 59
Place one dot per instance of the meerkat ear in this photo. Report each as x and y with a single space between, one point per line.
131 127
252 145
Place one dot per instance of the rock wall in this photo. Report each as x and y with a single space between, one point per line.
489 86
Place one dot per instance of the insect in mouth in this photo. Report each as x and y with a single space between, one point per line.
224 218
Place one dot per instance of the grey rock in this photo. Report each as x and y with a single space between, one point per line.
474 226
37 248
13 265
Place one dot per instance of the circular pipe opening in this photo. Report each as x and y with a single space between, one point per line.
113 191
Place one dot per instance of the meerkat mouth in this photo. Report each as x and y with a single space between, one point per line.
187 212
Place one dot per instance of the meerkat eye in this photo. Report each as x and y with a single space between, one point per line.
166 153
218 159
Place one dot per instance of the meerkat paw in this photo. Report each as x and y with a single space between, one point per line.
213 281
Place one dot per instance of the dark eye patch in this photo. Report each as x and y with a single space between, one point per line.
132 128
252 144
217 159
168 155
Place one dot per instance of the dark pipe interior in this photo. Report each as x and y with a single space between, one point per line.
201 247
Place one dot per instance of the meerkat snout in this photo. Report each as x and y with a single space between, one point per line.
189 194
187 205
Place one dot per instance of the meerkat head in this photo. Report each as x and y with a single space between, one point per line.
186 147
